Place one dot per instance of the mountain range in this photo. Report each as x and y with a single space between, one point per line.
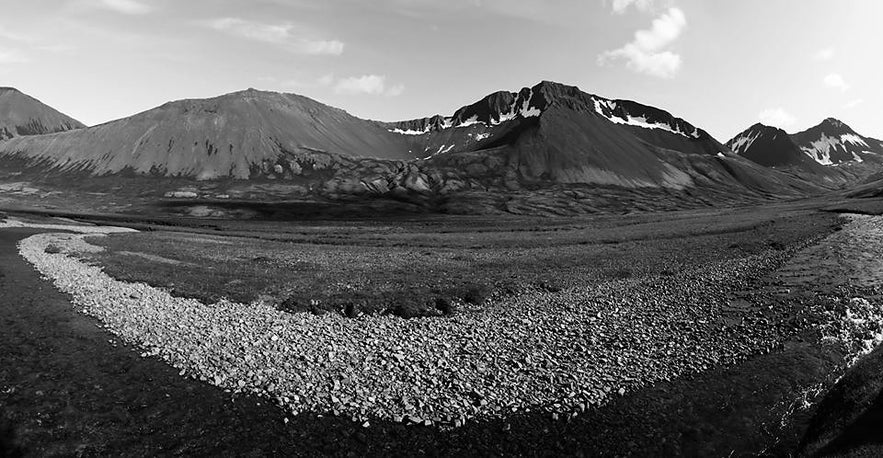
548 135
831 142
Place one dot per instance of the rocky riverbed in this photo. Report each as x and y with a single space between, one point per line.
559 353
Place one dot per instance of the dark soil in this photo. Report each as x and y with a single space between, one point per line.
849 420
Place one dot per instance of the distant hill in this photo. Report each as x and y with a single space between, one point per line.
21 114
237 135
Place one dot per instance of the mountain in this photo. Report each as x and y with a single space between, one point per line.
771 147
21 114
814 154
648 124
239 135
832 142
549 136
558 133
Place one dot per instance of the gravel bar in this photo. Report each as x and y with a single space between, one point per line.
560 353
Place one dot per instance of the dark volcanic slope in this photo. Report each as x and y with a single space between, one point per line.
652 125
833 142
235 135
553 132
21 114
769 146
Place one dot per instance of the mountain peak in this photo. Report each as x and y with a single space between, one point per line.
758 126
21 114
250 92
834 142
830 126
236 101
769 146
834 122
551 87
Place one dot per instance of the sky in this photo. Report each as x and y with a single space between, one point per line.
721 65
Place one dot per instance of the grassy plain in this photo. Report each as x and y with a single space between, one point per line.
416 267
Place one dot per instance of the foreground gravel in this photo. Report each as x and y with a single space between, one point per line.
560 353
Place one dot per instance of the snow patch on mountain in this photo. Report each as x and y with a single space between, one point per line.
854 139
504 117
470 122
526 110
743 142
410 132
636 121
821 149
443 150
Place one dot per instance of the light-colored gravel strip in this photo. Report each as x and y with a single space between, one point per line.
559 353
11 223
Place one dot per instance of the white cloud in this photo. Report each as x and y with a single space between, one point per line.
836 81
284 35
620 6
777 117
854 103
824 54
645 53
367 84
125 6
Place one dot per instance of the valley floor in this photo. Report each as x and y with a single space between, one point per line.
702 332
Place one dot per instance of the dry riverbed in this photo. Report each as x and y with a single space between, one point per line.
560 353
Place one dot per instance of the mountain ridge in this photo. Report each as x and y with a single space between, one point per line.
547 135
829 143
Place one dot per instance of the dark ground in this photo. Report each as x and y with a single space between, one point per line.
849 420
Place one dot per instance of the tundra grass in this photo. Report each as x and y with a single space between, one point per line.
434 267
